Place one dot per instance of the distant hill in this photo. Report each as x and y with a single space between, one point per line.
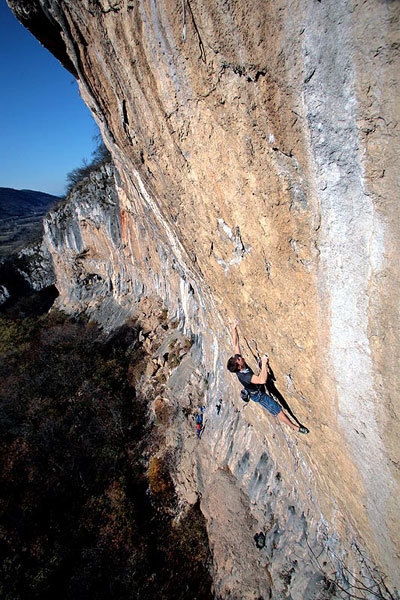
21 216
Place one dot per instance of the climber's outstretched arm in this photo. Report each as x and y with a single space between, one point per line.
235 337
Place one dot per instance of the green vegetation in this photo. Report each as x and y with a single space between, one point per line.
85 510
100 156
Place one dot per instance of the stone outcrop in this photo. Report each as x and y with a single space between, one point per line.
27 281
256 155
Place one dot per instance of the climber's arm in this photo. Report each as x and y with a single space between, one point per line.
235 337
262 377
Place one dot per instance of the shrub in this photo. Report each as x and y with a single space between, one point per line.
160 483
100 156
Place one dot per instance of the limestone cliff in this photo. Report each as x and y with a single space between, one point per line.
256 151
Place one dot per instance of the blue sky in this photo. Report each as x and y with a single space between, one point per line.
46 130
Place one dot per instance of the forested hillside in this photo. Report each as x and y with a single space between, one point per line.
81 513
21 216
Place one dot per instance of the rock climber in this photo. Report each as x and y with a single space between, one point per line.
199 421
199 427
255 384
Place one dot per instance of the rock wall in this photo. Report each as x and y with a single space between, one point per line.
256 157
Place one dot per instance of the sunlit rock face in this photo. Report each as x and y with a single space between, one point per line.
256 149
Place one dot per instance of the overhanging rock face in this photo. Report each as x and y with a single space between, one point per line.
256 146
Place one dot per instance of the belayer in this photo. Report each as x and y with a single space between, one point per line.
255 384
199 422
